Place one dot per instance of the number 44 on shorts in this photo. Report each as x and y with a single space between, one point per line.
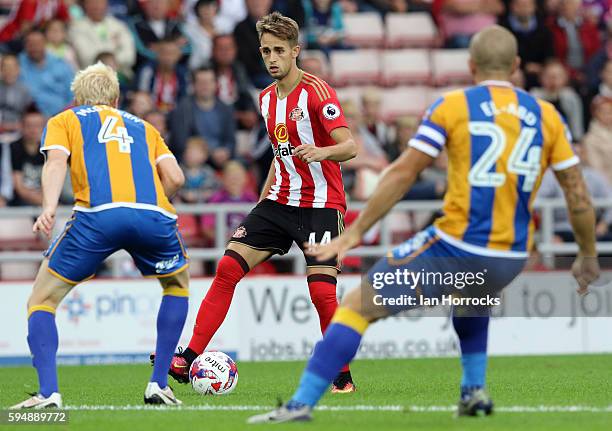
312 238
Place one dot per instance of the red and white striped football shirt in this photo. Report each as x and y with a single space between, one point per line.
305 117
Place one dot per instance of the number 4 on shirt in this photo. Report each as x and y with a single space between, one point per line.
109 132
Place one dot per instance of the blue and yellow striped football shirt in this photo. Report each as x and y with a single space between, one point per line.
500 140
113 158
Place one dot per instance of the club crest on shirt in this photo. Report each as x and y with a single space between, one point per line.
296 114
240 232
331 111
281 133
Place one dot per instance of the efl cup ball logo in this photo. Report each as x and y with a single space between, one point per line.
281 133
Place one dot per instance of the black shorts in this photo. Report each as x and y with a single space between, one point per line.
274 227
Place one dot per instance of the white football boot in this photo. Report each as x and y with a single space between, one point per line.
155 395
290 412
37 401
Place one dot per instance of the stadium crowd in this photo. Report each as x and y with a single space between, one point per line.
192 68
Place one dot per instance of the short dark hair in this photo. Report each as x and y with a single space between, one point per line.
205 68
280 26
199 3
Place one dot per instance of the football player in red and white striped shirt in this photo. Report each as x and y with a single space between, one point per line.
303 199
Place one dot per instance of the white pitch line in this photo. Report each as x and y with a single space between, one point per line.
361 408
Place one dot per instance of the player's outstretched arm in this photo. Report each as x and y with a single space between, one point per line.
394 183
582 218
52 180
344 149
171 176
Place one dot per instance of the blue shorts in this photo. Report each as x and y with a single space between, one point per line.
151 238
427 266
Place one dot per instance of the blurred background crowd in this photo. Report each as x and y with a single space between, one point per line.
192 68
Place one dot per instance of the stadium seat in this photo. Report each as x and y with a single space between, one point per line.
18 270
359 67
189 228
416 29
16 234
350 93
405 66
363 30
450 66
404 101
436 92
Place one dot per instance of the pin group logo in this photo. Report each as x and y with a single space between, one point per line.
76 307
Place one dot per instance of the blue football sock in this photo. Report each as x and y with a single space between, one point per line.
337 348
170 320
43 341
310 389
473 333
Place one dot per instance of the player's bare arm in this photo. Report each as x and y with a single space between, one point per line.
344 149
394 183
171 176
53 176
269 181
582 217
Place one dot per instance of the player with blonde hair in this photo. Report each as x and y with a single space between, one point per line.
122 175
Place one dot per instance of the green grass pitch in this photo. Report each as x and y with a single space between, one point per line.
411 394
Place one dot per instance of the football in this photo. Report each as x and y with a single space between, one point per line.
213 373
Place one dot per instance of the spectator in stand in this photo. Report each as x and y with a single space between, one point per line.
234 190
315 63
6 174
139 103
360 174
14 96
598 140
125 83
124 9
292 8
596 11
555 89
599 188
47 77
165 79
324 25
351 6
594 68
200 179
374 129
400 6
158 120
431 183
28 14
155 27
233 85
230 13
575 40
203 114
27 161
202 31
533 36
518 79
99 32
55 32
605 87
460 19
405 128
248 48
